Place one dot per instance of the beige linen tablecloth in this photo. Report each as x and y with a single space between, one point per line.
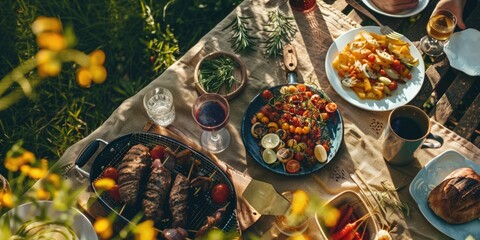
360 147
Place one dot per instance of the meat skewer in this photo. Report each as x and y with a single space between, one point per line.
158 185
212 221
132 168
178 200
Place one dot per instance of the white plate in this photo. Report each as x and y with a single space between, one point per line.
462 53
407 13
404 93
428 178
81 225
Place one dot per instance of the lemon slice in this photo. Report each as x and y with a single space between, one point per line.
270 140
320 153
269 156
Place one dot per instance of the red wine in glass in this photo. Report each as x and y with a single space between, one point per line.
211 112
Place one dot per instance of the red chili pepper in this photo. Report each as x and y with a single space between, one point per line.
348 228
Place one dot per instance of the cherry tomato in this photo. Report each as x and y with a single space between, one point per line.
392 86
292 166
267 95
301 87
409 76
331 107
396 63
114 194
382 72
371 57
220 193
110 172
157 152
298 156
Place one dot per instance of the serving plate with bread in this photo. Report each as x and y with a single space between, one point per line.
447 191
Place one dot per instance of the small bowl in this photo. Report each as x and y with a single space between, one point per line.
240 74
359 210
81 226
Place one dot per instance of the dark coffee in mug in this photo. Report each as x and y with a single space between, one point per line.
407 128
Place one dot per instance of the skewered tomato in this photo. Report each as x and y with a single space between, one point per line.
220 193
110 172
267 94
331 107
157 152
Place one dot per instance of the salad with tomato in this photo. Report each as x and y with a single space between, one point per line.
290 127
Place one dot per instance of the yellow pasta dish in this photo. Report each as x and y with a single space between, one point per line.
373 65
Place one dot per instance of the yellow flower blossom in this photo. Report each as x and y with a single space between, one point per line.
7 199
54 179
104 184
330 216
99 74
97 57
37 173
300 236
14 163
145 231
52 41
84 77
25 169
28 157
42 194
46 24
50 69
299 202
103 227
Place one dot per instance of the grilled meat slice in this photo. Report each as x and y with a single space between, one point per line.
212 221
158 185
132 168
178 201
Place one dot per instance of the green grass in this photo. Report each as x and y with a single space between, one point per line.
137 49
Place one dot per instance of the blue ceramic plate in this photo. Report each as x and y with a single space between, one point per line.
334 127
428 178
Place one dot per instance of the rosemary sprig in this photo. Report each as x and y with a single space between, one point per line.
280 30
216 73
240 38
388 199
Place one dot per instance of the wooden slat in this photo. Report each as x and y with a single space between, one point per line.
470 120
452 97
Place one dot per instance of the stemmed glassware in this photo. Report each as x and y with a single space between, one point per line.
211 112
439 29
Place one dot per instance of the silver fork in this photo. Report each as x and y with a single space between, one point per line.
384 29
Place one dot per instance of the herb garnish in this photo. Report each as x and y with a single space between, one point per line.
216 73
280 30
240 39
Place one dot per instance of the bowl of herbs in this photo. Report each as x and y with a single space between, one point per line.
220 72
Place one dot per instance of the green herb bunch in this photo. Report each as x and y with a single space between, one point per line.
217 73
241 40
280 30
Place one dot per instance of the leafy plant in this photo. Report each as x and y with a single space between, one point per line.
241 40
217 73
280 31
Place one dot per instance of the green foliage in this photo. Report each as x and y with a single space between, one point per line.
241 38
280 31
140 38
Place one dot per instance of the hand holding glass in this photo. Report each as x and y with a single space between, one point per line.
439 29
211 112
159 105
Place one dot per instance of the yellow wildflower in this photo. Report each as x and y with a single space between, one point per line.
46 24
99 74
84 77
7 200
50 69
28 157
43 194
300 236
52 41
37 173
103 227
104 184
97 57
145 231
299 202
54 179
331 216
13 163
25 169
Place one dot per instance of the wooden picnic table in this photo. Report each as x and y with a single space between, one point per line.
450 97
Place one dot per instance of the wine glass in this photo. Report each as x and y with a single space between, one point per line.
211 112
439 28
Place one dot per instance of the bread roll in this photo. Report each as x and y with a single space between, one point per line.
457 199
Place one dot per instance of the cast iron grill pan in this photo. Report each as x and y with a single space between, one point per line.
200 205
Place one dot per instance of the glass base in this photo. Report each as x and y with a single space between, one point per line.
431 46
215 142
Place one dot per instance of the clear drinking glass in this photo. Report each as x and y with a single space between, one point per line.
211 112
439 29
159 105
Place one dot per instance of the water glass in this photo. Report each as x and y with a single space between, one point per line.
159 105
